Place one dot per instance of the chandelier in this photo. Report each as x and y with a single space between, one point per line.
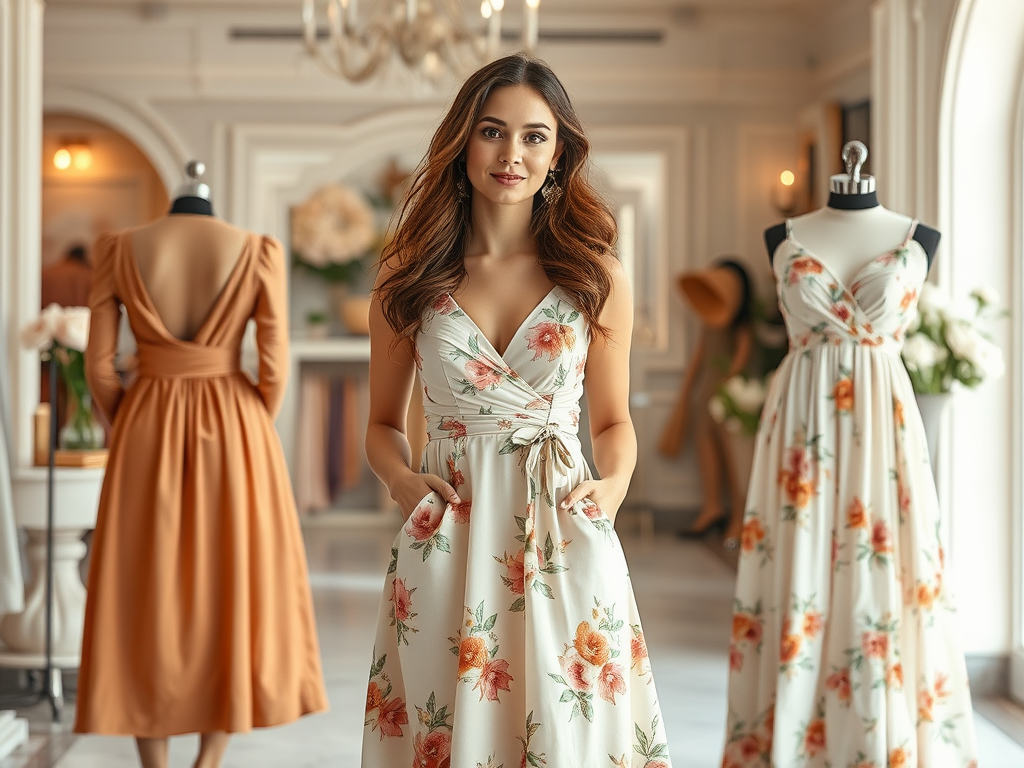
428 36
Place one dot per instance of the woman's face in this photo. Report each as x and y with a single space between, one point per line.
512 146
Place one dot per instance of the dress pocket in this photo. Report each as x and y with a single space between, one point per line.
426 516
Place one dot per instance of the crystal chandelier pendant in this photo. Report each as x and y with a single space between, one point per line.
430 37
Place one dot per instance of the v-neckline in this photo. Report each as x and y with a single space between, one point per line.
515 335
214 307
801 249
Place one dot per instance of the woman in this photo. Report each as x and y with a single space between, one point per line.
199 617
508 633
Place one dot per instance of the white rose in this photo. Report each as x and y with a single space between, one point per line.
986 295
931 300
962 339
746 394
73 329
962 309
988 359
717 409
39 334
921 353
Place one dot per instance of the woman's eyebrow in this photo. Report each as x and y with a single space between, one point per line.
503 124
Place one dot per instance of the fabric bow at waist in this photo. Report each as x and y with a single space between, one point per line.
188 362
546 449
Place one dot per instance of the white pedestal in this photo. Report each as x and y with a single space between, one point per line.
76 498
13 733
25 632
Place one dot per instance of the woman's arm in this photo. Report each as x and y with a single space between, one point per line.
392 373
607 387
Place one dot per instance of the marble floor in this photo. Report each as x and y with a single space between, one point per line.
684 593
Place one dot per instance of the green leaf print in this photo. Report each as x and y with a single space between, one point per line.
394 561
508 447
489 410
572 316
518 605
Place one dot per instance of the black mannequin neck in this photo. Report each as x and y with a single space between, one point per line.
195 205
852 202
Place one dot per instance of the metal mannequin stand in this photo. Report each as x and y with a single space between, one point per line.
52 688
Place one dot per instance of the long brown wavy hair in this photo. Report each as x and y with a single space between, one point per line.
574 236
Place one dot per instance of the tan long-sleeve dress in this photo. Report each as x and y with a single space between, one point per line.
199 616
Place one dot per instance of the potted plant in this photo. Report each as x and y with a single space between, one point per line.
316 324
949 344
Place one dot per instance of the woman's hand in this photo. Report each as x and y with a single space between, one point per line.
411 488
608 494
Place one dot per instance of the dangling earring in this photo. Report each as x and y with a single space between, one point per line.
460 183
551 191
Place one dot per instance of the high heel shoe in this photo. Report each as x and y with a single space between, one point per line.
699 531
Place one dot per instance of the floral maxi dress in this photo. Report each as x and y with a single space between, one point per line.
843 651
508 634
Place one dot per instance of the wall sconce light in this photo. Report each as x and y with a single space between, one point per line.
75 153
784 193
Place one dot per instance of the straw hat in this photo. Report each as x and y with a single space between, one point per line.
718 294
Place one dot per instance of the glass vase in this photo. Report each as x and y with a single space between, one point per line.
81 431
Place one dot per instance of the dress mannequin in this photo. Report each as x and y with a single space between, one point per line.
853 228
720 297
231 643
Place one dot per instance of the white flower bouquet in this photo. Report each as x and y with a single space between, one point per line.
738 403
333 232
949 341
63 333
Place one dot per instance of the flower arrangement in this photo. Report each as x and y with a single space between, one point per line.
333 233
949 342
738 403
63 333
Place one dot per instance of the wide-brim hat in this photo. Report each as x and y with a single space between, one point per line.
717 294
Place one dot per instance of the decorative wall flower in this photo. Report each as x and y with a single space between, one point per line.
333 232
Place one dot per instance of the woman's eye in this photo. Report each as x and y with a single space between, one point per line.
492 133
536 138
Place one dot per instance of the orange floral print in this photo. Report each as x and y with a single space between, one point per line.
494 677
391 716
550 338
472 654
875 645
908 298
814 739
735 659
798 487
638 650
591 645
898 758
812 624
752 534
881 541
842 394
746 627
455 476
840 683
374 697
790 647
611 680
445 305
856 514
482 374
802 266
925 702
424 521
894 676
941 691
897 412
925 597
433 750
